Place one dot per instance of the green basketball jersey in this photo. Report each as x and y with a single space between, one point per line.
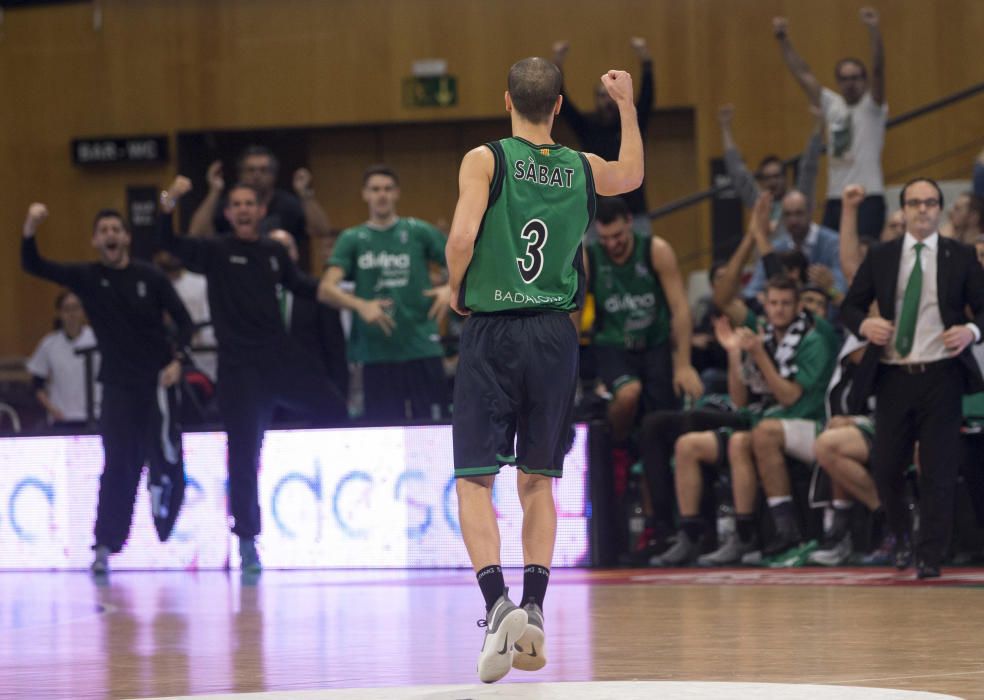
528 251
630 306
392 264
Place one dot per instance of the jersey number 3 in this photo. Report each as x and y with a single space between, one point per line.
531 263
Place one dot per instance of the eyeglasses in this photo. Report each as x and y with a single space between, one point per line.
930 203
850 78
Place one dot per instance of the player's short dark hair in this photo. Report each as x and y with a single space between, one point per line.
534 85
255 150
242 186
380 169
608 209
850 59
817 289
768 160
63 294
783 283
110 214
939 192
795 260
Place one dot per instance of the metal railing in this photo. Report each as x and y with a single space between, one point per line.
698 197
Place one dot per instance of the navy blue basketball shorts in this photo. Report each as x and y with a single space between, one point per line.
514 393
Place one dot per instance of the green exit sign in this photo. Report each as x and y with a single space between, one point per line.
441 91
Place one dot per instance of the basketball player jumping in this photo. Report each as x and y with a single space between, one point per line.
515 263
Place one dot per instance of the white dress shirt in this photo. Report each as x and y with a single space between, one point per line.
927 345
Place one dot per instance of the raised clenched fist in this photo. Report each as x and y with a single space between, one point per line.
560 49
869 16
216 182
179 188
618 83
640 47
725 114
780 27
36 213
852 195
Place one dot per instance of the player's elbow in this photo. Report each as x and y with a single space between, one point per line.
459 243
789 398
620 184
722 296
630 179
680 313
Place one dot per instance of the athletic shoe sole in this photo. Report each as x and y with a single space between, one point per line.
531 652
496 657
828 557
834 561
753 558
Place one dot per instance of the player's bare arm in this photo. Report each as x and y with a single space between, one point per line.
686 381
372 311
625 174
795 63
474 178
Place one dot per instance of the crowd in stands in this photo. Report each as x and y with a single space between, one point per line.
742 432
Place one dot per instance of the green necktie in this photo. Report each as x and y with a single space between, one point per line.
910 307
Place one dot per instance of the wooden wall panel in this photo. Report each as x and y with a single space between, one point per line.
212 64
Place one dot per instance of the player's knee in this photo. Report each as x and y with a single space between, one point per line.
839 422
689 447
826 447
472 485
739 446
767 435
529 485
627 396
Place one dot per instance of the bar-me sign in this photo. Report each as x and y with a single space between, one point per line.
120 149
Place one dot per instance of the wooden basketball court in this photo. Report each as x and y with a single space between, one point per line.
154 634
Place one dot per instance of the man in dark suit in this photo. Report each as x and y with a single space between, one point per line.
923 283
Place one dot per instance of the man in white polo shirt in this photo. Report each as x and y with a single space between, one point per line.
855 117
